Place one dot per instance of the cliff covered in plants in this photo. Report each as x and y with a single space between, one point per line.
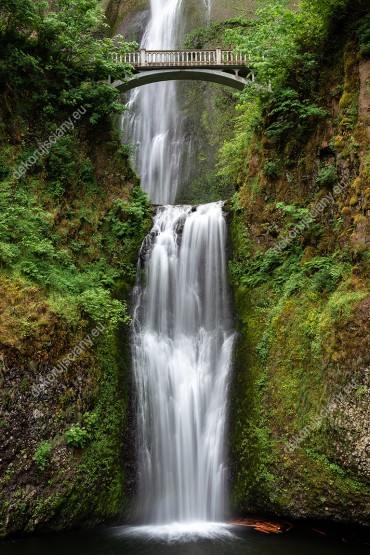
72 217
300 234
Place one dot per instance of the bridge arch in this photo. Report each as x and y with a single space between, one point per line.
157 75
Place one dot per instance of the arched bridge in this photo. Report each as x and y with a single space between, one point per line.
218 66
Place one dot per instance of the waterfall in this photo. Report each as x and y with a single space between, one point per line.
182 329
153 122
182 349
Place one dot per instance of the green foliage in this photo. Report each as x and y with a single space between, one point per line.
288 274
213 35
63 239
42 454
127 219
283 271
91 420
286 51
341 302
23 233
263 346
294 213
267 40
102 309
260 267
324 460
325 273
349 112
291 113
241 242
32 247
99 476
62 163
128 223
77 436
202 37
327 15
272 169
297 309
289 307
59 55
285 46
327 177
234 151
364 36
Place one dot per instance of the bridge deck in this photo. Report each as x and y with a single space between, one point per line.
161 59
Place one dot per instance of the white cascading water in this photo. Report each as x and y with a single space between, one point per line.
153 122
182 340
182 351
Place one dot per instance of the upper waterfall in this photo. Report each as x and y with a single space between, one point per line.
153 121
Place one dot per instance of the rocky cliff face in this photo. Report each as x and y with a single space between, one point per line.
300 232
64 344
128 17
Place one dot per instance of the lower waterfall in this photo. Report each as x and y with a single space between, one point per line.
183 337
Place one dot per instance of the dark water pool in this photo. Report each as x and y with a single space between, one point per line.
235 540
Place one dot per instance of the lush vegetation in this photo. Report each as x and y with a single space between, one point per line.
53 60
297 313
288 52
72 218
300 262
32 247
42 454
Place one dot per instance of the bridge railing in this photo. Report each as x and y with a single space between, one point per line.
185 58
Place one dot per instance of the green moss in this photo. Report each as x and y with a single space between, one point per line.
98 492
288 307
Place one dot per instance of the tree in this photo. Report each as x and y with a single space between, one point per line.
55 55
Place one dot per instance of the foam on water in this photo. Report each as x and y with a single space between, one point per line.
183 532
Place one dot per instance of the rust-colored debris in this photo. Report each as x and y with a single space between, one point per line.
267 527
319 531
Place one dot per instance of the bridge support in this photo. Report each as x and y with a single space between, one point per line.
158 75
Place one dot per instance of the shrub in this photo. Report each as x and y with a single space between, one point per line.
364 37
127 219
272 169
293 212
91 420
290 113
67 42
99 306
327 177
42 454
77 436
